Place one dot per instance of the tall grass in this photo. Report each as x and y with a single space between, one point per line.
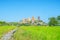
5 29
37 33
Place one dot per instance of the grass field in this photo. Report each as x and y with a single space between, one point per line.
5 29
32 32
37 33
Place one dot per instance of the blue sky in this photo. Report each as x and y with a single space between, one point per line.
15 10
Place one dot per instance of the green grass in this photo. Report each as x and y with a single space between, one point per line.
5 29
37 33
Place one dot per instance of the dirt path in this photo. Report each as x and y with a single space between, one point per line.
8 35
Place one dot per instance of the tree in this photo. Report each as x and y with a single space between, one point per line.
2 23
58 18
53 21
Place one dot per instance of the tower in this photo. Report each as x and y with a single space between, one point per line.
28 19
33 19
38 18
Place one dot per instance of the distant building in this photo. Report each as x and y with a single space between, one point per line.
38 23
33 19
24 20
28 20
38 18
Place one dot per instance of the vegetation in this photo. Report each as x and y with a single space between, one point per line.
37 33
58 18
54 21
33 30
5 29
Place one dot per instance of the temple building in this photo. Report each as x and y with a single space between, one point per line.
28 20
33 19
38 18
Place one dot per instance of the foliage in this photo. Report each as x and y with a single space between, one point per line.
53 21
58 17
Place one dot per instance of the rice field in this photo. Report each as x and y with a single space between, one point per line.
32 32
37 33
5 29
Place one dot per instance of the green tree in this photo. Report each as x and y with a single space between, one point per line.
2 23
53 21
58 18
